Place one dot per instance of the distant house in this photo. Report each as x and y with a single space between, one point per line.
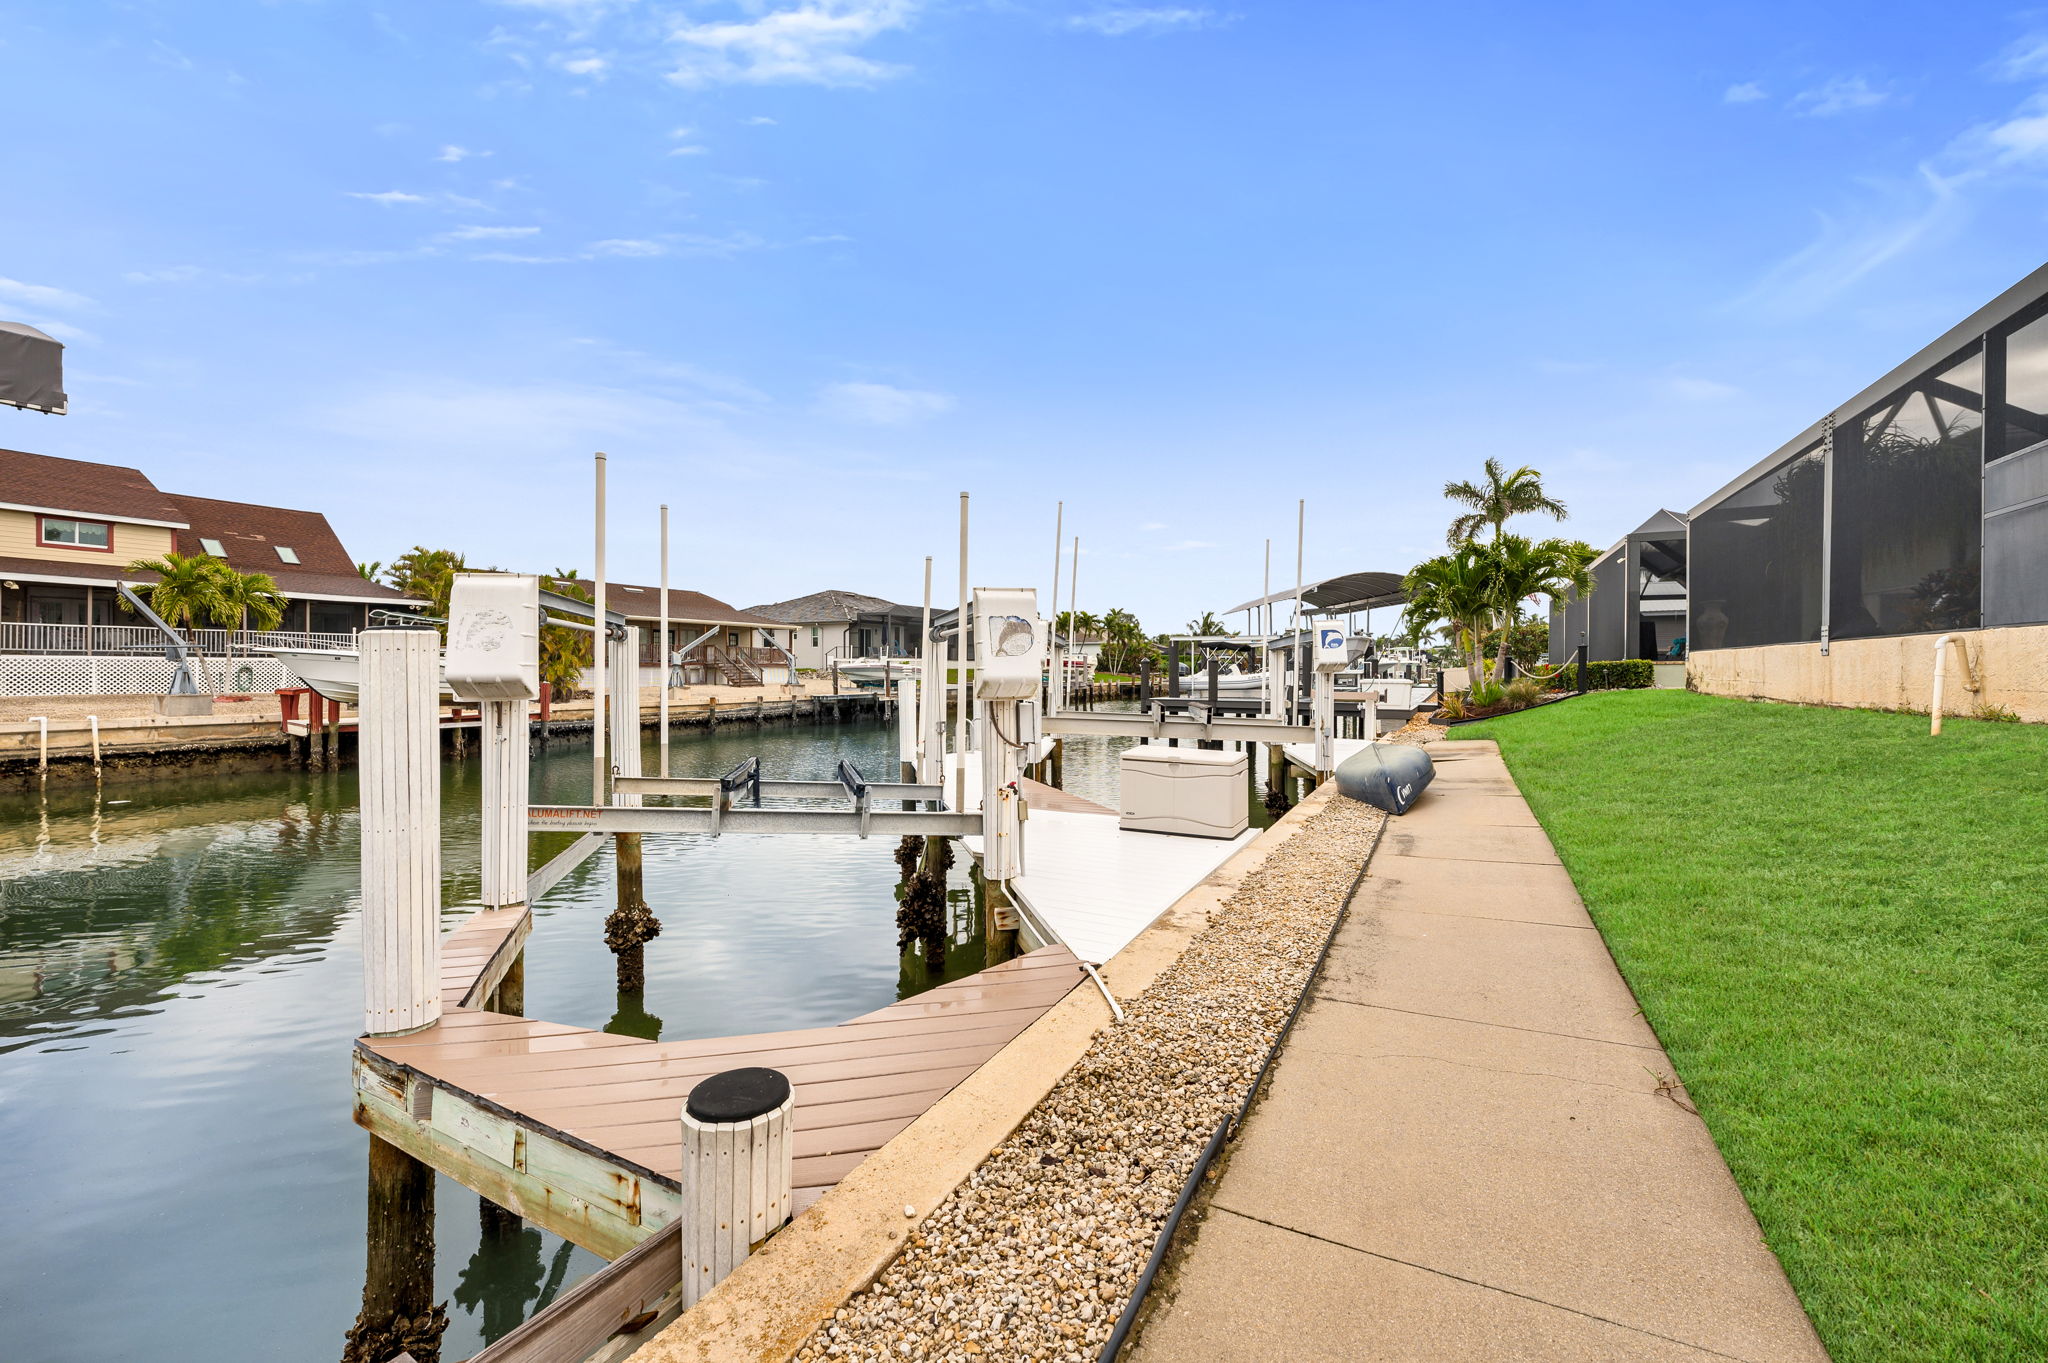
838 626
725 646
69 529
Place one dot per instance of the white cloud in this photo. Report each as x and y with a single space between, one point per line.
761 121
172 274
1699 390
1841 95
808 43
1749 92
628 246
489 233
2026 58
452 153
42 295
690 150
512 258
388 197
583 64
1115 23
880 404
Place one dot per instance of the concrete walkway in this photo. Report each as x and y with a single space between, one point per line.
1472 1147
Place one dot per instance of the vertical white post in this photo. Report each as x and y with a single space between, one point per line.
1266 628
398 735
661 652
1059 676
960 646
1002 846
504 738
1073 599
625 712
600 775
738 1159
931 692
1294 648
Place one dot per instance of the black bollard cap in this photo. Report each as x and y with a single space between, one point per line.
738 1095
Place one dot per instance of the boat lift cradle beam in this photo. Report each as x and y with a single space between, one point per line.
745 781
1156 723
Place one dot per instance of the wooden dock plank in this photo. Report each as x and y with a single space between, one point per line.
1041 796
602 1101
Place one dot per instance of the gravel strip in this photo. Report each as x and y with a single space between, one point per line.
1035 1254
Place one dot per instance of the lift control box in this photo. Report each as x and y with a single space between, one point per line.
494 636
1009 643
1333 653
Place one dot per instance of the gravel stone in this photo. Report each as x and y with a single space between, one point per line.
1034 1256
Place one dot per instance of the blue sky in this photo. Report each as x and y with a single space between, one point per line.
807 269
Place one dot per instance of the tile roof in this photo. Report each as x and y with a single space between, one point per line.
644 603
821 607
252 535
84 487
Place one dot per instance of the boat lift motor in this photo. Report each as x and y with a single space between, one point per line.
1009 669
494 636
1332 655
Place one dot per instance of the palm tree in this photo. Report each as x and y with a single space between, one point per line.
1497 497
564 653
368 571
1520 568
190 589
1124 641
250 597
1455 591
1208 624
1078 625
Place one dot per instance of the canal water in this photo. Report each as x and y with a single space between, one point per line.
180 980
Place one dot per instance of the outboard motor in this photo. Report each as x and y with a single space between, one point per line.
1389 776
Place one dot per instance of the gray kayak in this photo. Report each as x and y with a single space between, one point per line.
1389 776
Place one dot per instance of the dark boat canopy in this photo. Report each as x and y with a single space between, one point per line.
1336 595
1356 592
31 369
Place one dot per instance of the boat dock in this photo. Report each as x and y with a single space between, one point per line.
576 1130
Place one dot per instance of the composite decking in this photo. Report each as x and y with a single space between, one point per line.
485 1091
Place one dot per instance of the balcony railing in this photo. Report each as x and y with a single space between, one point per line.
20 636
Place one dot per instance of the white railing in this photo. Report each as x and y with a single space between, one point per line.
20 636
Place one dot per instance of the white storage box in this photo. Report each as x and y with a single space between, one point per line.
1196 791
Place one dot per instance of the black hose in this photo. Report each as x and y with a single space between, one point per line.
1227 1129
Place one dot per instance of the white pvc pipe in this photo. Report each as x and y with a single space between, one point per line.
1059 532
1073 600
662 652
599 774
1940 666
960 633
42 742
931 688
94 721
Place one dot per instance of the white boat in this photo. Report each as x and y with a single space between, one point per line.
335 673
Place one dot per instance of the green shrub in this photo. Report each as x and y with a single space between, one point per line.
1522 692
1625 674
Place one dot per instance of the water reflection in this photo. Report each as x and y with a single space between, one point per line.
180 976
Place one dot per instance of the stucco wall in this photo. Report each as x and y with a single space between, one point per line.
1886 674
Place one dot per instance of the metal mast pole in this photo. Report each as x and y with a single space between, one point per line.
1294 647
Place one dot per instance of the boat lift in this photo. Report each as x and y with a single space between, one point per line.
731 793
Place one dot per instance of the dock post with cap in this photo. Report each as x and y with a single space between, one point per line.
737 1164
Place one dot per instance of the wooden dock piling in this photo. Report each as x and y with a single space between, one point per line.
399 741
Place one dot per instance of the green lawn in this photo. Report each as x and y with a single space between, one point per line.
1839 928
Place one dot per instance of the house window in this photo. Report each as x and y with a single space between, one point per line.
814 636
76 534
287 555
207 546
